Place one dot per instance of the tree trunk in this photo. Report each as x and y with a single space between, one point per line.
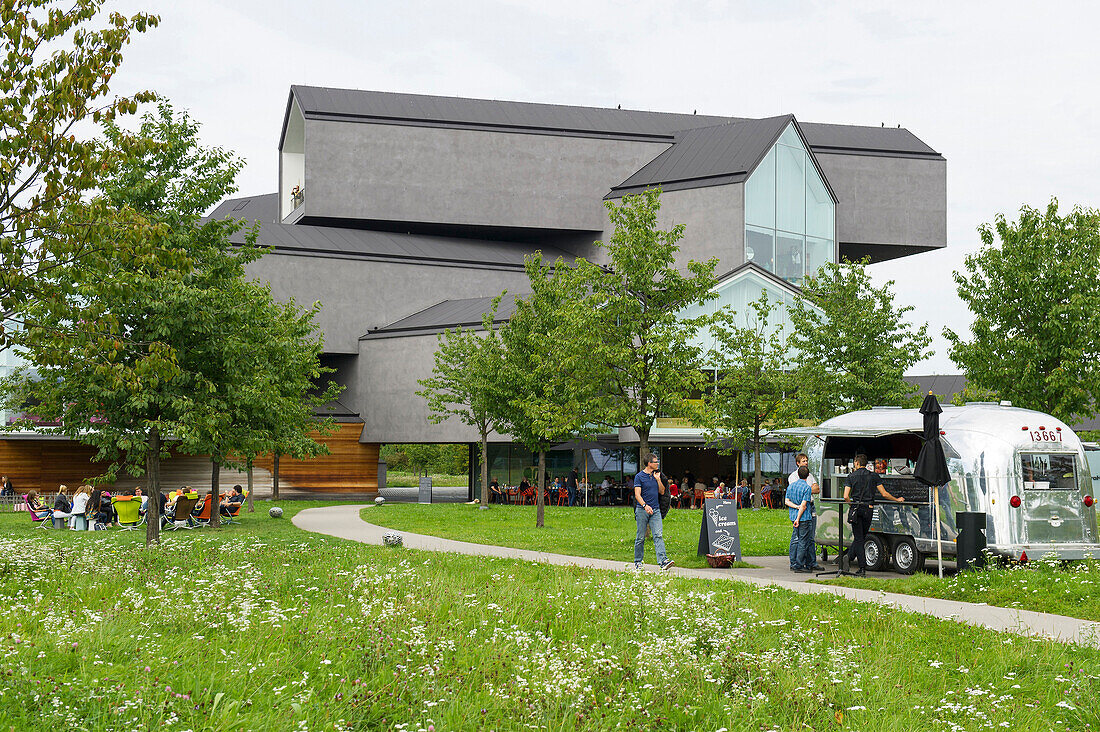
215 492
152 469
251 508
484 467
643 448
757 493
539 492
275 477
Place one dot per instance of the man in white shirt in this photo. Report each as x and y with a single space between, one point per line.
800 460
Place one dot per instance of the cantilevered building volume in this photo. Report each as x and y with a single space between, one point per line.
406 214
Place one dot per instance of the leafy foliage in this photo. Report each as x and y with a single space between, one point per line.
852 344
544 384
1032 289
57 60
636 330
755 382
174 342
432 459
465 384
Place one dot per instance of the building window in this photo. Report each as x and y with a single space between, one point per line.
789 214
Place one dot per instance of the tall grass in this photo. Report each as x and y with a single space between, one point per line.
259 627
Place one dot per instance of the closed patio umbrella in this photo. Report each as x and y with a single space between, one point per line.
931 468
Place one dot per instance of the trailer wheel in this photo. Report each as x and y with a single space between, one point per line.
907 559
824 553
874 549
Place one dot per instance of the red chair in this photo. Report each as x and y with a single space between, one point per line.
563 495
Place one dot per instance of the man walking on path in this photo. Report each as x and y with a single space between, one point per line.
647 499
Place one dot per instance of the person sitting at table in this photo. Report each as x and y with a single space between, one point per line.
525 491
78 519
496 494
674 492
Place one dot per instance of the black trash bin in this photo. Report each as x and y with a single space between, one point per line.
971 542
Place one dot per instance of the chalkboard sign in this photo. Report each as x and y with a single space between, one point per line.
719 532
425 489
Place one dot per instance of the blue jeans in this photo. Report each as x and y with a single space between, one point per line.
802 545
653 523
572 496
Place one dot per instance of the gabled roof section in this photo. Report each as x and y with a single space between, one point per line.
442 316
708 156
753 268
253 208
354 105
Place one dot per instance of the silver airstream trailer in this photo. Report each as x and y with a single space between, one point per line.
1027 471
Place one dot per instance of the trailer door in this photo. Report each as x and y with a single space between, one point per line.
1053 507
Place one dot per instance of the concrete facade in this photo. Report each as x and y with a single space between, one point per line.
892 204
494 172
464 177
358 295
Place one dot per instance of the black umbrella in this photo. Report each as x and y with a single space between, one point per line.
931 468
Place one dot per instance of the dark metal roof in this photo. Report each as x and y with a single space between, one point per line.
254 208
853 138
383 245
946 386
708 156
420 109
320 102
466 313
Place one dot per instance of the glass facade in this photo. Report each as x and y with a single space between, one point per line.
789 214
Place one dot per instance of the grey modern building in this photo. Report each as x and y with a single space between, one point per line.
405 215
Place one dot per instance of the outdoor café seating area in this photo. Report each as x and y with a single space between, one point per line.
90 509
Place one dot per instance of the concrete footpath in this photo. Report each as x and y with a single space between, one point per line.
344 522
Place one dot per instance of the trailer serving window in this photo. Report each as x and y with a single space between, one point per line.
1049 471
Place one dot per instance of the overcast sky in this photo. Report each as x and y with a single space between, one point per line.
1006 91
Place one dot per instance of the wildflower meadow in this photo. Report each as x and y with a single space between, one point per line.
260 626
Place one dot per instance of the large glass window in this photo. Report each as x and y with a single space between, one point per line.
760 194
789 215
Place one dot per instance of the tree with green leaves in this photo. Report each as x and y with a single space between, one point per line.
465 383
545 388
641 312
175 344
57 60
852 344
266 371
1032 289
755 381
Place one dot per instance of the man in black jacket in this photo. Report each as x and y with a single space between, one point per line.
859 488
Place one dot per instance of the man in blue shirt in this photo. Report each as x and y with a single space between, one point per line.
800 507
647 514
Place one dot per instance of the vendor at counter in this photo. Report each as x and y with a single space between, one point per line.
859 488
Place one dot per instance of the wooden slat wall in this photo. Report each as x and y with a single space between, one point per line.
42 465
351 468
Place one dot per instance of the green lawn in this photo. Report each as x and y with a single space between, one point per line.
408 480
1045 586
263 627
603 532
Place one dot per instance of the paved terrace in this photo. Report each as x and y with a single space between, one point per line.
344 522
